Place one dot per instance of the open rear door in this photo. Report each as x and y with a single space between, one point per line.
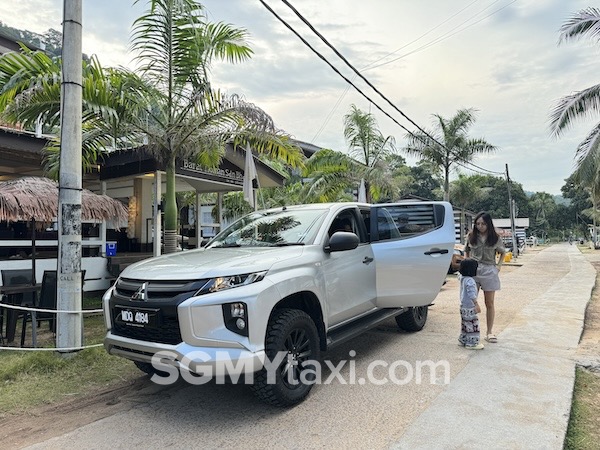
412 244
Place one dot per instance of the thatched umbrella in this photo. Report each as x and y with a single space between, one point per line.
36 199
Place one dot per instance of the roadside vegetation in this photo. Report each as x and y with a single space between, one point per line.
30 379
584 424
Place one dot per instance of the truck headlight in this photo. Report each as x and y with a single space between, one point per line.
222 283
235 316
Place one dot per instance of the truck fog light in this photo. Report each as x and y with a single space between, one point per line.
238 310
235 317
240 323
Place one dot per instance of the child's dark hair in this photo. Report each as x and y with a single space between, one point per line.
468 267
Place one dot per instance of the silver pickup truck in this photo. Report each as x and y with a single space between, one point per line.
277 288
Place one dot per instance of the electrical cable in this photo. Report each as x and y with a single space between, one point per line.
368 66
324 40
446 35
371 65
335 69
343 58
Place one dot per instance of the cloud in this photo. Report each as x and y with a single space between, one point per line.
501 58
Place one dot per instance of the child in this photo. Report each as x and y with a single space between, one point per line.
469 336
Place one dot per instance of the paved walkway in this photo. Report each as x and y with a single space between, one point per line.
517 393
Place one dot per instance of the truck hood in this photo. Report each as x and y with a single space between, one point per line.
209 263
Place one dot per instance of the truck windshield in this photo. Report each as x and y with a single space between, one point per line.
272 229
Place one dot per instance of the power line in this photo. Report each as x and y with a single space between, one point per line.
343 58
447 34
417 39
305 42
371 65
315 31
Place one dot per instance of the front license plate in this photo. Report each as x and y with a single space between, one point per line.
137 317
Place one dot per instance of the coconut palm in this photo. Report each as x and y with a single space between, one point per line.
451 145
335 173
169 101
584 23
30 93
175 46
371 148
587 174
542 205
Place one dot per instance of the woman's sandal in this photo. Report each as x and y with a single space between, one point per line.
491 338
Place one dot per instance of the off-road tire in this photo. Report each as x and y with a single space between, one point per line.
414 319
294 332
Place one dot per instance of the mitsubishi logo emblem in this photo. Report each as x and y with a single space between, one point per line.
141 294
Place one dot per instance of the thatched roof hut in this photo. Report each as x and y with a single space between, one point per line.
34 198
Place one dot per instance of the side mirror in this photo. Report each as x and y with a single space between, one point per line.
342 240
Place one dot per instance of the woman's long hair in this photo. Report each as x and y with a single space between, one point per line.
492 235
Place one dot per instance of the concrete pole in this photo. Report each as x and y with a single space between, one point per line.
69 325
513 232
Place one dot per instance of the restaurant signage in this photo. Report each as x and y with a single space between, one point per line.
227 172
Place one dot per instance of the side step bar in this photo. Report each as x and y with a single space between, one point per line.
359 326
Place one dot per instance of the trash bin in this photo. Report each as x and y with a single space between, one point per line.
111 249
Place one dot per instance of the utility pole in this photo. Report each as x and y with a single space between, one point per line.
69 324
513 231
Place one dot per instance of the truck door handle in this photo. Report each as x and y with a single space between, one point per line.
367 260
437 251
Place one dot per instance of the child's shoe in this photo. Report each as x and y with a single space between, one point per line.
475 347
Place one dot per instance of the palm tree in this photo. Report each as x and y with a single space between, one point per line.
168 101
176 46
452 145
542 205
584 23
580 104
334 173
587 174
30 93
371 148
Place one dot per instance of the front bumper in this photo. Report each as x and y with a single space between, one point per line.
208 361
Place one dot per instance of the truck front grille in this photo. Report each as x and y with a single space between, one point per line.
162 297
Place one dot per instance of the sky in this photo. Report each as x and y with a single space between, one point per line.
499 57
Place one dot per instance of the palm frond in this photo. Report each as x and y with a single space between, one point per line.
587 157
571 107
584 22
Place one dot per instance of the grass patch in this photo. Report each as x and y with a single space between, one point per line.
29 379
583 431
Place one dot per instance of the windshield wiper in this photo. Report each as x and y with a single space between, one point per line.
230 245
287 244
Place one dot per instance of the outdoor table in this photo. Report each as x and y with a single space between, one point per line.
13 296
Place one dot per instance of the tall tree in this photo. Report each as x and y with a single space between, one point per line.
584 23
176 45
451 144
168 101
542 206
371 148
335 173
464 191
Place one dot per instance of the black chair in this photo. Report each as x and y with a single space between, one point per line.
48 300
15 277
